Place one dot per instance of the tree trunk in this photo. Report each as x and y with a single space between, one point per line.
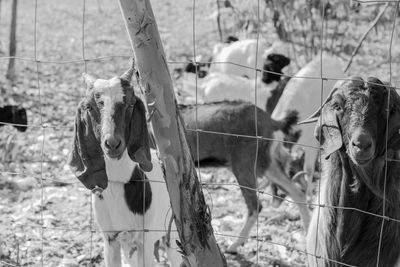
13 43
191 214
1 44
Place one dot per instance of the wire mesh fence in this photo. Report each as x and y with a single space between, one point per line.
41 62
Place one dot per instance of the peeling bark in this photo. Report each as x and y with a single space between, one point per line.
192 215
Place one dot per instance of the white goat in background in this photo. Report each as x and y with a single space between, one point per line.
239 58
217 86
304 95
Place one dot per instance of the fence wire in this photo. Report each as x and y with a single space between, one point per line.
43 126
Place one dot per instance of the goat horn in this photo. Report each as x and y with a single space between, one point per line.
128 74
310 119
89 80
298 174
314 117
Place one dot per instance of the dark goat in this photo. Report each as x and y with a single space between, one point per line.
14 115
239 153
352 128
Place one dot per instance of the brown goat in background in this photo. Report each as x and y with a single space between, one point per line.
240 153
352 128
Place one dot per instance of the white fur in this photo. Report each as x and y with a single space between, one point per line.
221 86
304 95
227 81
243 53
110 89
185 89
116 221
111 93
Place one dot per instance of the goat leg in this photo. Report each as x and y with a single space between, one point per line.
248 183
275 175
112 250
244 233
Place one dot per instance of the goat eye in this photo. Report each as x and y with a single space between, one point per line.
88 107
336 106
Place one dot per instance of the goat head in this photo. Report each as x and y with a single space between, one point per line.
109 120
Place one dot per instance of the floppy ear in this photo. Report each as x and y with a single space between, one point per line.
138 137
86 160
327 131
394 119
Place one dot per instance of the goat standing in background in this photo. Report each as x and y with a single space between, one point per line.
358 129
272 162
302 93
14 115
111 156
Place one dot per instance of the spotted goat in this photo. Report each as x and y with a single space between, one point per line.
111 156
358 128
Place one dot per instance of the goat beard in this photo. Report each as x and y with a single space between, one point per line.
372 175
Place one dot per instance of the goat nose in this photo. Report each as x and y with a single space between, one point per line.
362 141
112 142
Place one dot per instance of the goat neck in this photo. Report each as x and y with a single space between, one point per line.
119 170
355 235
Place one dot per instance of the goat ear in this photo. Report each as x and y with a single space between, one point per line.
327 131
86 160
89 80
138 137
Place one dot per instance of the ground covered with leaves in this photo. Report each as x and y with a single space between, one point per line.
36 186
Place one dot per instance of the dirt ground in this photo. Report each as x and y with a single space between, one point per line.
37 187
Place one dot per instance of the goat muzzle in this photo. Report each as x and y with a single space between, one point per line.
114 146
361 147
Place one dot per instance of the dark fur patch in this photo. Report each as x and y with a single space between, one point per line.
274 63
138 193
14 114
231 39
